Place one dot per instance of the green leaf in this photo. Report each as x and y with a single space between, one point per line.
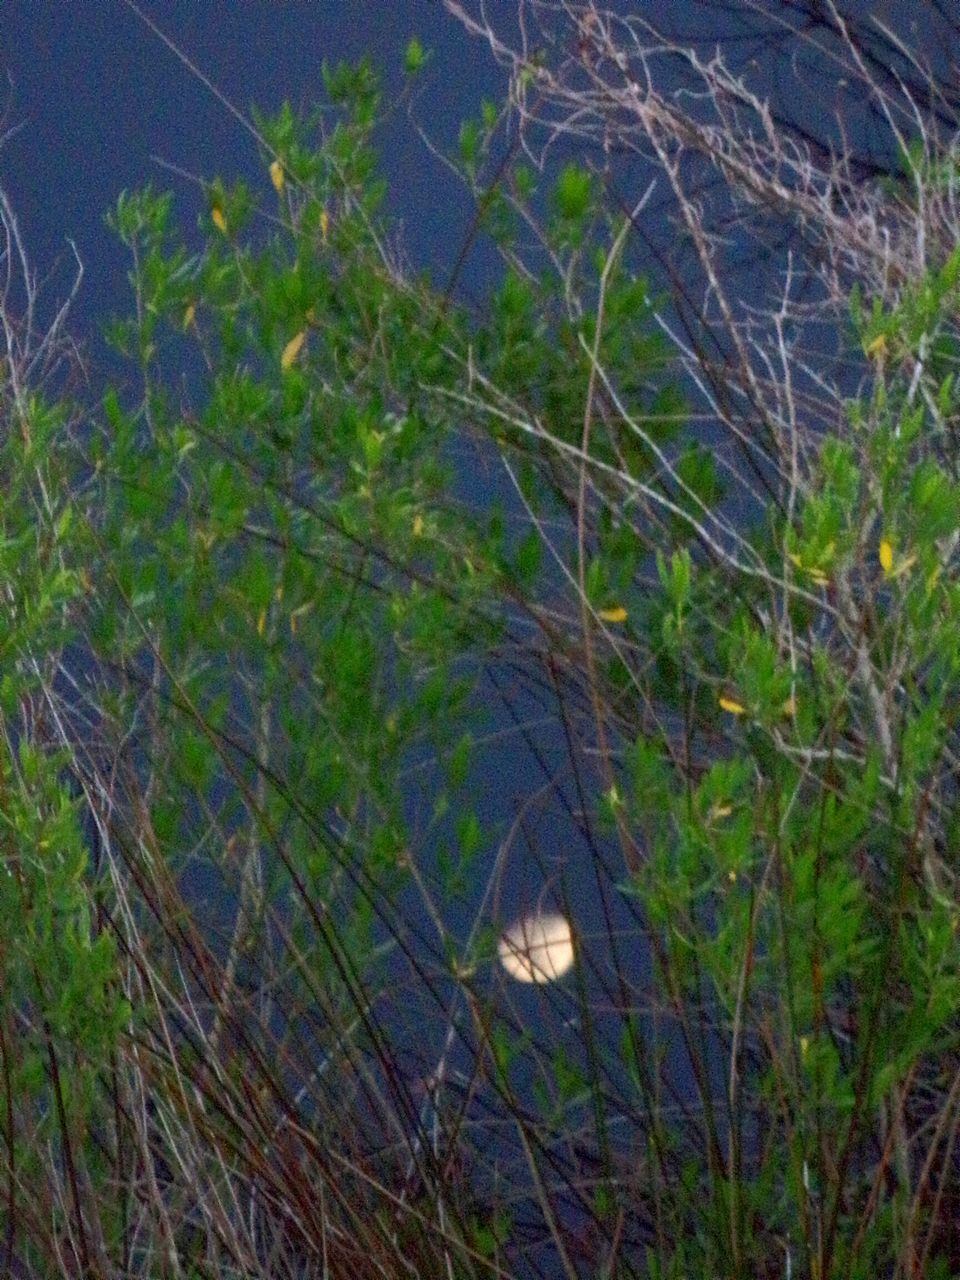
529 556
469 834
573 192
415 56
469 143
460 760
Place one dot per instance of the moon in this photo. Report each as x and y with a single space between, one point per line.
537 949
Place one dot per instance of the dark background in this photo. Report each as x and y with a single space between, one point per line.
97 101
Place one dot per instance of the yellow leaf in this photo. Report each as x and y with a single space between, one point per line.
276 176
804 1046
292 350
262 622
734 708
297 614
418 525
219 221
324 225
815 571
877 349
188 316
886 555
719 811
789 708
617 614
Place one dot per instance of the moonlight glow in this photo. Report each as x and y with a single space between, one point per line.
537 949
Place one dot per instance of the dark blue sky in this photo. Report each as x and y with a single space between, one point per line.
97 98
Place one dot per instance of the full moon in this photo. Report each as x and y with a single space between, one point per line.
537 949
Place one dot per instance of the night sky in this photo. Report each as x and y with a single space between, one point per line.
97 100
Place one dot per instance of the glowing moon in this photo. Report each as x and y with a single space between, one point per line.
537 949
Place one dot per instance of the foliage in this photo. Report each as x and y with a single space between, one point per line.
259 662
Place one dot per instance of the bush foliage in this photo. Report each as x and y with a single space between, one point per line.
277 606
